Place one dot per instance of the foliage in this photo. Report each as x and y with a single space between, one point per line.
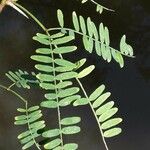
99 8
96 38
60 79
30 117
22 79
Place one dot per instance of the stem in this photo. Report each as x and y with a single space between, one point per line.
83 90
26 106
31 15
13 92
11 86
80 33
101 5
56 91
27 114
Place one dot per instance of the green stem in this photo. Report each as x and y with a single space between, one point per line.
83 90
80 33
56 91
14 93
11 86
27 114
101 5
85 94
26 106
31 15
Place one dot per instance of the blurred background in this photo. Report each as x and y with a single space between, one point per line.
130 86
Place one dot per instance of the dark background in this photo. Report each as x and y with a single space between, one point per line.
130 86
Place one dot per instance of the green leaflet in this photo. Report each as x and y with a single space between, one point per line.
98 48
21 122
12 78
51 96
102 32
63 50
51 133
106 36
89 27
86 71
112 132
33 108
58 148
82 23
68 100
34 118
45 77
108 53
104 108
41 58
124 47
88 44
21 110
70 120
68 92
97 92
41 40
101 99
22 117
44 51
60 18
118 57
35 113
99 9
52 144
71 130
108 114
49 104
71 146
43 36
64 63
24 134
94 30
80 63
63 84
75 21
80 102
47 86
28 138
44 68
57 35
84 1
37 124
64 69
62 40
29 144
110 123
66 76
